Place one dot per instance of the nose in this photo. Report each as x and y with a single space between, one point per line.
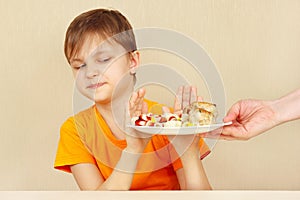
92 71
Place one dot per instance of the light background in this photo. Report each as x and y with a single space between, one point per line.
255 45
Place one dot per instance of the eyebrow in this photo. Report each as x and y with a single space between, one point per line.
98 53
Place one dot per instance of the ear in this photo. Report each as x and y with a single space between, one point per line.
134 61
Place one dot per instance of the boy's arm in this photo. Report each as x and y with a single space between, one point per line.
88 176
192 174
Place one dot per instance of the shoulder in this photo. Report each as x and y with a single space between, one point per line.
86 114
80 119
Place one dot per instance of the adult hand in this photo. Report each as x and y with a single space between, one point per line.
249 118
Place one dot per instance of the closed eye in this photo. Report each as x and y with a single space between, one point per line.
80 66
83 65
104 60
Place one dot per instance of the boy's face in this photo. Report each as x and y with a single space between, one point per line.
98 69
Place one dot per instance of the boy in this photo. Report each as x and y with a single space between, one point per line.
101 49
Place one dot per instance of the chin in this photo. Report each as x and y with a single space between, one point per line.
100 97
102 100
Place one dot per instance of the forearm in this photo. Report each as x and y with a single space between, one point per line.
287 108
122 175
195 176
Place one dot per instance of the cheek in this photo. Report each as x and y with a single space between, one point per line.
78 76
75 74
117 70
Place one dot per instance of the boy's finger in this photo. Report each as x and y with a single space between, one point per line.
140 98
199 98
133 99
144 107
141 92
193 95
165 109
186 96
177 105
178 99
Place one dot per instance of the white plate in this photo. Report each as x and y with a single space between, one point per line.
178 130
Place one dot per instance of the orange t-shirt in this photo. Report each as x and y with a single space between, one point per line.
86 138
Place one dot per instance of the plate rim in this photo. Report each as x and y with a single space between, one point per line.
166 129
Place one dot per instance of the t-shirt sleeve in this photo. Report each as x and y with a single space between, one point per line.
71 149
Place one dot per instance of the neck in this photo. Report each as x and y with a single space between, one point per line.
114 112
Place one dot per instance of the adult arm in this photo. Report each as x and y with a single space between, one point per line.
253 117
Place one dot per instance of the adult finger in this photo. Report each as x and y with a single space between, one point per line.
233 113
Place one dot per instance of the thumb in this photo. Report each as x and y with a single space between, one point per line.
165 109
233 113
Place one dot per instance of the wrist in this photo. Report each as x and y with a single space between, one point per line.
135 145
190 155
128 161
134 149
276 106
287 107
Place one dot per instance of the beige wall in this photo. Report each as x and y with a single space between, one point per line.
255 44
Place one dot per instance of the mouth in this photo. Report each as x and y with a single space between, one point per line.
96 85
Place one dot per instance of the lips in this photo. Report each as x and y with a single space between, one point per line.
96 85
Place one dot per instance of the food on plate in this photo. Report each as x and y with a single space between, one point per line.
199 113
195 114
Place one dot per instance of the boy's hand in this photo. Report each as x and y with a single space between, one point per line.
137 106
184 97
136 141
